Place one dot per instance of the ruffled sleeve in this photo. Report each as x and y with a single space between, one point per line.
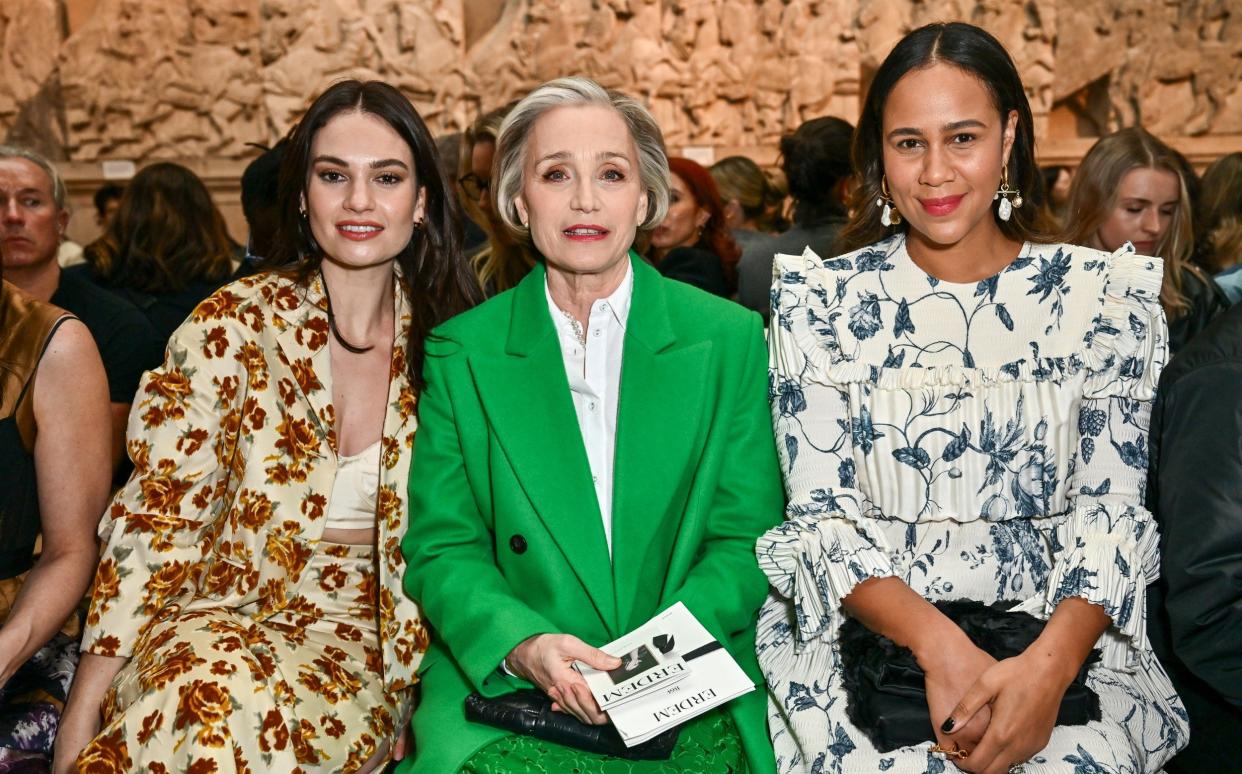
828 543
1109 547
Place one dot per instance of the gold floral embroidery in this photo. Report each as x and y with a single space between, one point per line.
109 754
251 356
107 588
204 703
232 477
220 305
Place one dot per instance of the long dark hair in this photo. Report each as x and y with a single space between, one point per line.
437 280
716 233
166 232
814 159
973 50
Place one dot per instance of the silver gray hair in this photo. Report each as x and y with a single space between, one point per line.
515 133
59 196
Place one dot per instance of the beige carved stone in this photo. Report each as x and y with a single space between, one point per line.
30 40
143 79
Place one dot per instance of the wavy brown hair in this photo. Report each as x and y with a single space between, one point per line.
1220 211
1093 196
972 50
436 277
166 233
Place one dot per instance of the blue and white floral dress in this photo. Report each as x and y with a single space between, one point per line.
981 441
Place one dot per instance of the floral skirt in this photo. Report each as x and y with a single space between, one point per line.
211 689
706 744
32 699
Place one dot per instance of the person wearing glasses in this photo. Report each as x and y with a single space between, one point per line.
502 262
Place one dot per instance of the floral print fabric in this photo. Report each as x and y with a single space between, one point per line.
983 441
210 689
234 447
233 441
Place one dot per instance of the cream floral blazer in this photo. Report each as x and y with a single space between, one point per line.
234 448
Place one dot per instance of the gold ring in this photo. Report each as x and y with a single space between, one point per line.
956 752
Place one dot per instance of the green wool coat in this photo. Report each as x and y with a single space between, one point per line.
505 538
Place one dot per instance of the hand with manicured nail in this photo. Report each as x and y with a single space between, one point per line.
948 674
1024 693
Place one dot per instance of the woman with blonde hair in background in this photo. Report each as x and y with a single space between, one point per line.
1220 223
503 261
749 197
1131 187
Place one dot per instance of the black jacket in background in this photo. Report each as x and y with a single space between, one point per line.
697 266
1195 492
1207 300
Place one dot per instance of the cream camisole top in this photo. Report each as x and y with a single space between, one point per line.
352 505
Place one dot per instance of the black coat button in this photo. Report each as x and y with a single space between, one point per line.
518 544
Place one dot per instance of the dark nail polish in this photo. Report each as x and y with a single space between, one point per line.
947 726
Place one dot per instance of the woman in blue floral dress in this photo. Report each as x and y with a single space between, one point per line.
961 411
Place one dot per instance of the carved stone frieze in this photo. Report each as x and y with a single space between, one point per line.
141 79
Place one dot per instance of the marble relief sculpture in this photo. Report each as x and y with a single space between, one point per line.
202 78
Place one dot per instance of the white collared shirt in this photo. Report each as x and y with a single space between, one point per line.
594 373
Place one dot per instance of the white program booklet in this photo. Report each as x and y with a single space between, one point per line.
673 670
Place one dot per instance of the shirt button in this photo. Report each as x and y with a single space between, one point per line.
604 306
518 544
591 406
596 333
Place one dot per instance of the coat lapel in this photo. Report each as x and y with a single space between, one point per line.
658 444
402 635
303 343
528 404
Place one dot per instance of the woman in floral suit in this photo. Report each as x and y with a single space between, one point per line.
243 615
961 410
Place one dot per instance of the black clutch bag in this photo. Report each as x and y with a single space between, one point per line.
529 712
885 694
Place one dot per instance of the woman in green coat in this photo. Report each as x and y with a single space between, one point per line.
594 446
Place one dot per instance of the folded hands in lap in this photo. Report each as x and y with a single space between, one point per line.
1022 695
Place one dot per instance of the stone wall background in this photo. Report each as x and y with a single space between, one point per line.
92 80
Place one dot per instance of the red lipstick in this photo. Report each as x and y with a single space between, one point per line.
359 230
585 232
942 206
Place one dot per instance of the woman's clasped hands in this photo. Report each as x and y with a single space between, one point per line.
1018 700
